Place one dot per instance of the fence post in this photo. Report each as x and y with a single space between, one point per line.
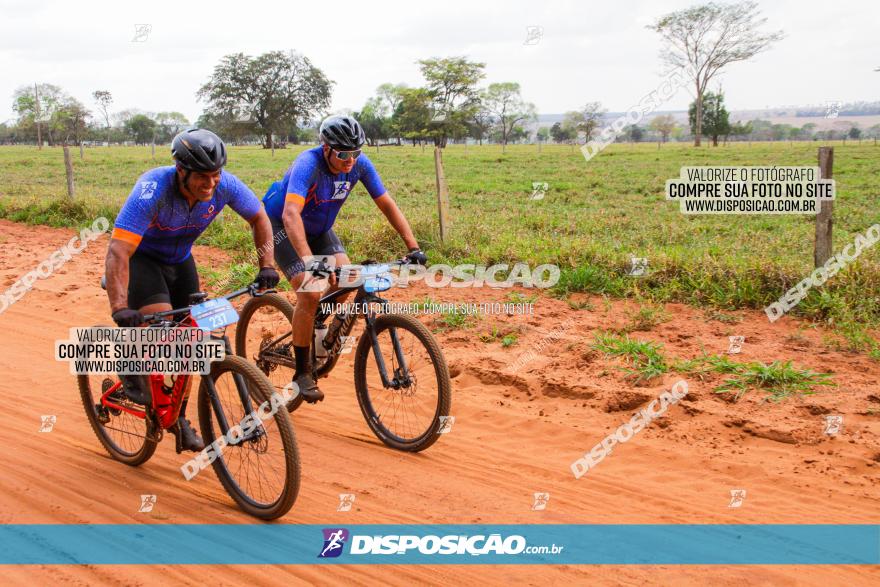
442 193
822 247
68 168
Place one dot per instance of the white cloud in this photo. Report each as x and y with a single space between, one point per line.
589 51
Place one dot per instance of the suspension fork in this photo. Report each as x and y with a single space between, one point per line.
380 360
241 388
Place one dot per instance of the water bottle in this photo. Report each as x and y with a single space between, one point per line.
320 334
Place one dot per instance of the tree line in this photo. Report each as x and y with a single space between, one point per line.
279 97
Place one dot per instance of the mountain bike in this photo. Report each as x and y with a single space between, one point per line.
400 375
260 470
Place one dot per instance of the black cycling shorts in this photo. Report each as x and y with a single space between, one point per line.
152 282
286 257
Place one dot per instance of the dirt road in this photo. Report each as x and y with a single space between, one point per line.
516 433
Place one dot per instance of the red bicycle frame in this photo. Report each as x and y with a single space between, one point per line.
166 401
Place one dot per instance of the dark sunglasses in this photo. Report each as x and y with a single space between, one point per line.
345 155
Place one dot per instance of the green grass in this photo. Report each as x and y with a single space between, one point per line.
647 317
778 379
595 216
644 359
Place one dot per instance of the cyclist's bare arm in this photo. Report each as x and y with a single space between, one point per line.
396 218
293 225
296 232
262 230
116 270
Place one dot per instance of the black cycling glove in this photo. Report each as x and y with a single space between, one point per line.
128 318
267 278
417 256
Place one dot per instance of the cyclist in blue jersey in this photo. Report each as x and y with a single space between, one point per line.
302 208
149 266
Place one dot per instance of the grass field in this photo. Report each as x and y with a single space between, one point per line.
594 217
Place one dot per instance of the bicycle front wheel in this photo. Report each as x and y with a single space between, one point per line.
259 467
407 413
263 336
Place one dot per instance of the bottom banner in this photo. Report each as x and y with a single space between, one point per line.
639 544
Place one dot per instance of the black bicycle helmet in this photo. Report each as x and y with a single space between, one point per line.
197 149
342 133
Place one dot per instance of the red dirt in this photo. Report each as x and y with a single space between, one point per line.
516 432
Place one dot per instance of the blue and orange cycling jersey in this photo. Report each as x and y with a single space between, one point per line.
323 193
158 220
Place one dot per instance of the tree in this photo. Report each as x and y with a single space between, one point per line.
585 120
392 95
32 111
413 114
855 133
70 119
228 127
169 124
275 91
561 133
452 86
103 99
503 101
373 119
123 116
140 128
663 125
481 121
808 129
634 133
715 120
702 40
739 129
543 134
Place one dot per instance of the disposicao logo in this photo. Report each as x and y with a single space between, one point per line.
334 540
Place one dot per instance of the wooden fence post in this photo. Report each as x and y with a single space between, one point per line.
822 247
68 168
442 193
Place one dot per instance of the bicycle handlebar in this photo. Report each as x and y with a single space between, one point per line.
338 270
250 289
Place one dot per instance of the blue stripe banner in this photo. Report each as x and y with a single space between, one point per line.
637 544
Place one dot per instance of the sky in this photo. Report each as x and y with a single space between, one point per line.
587 50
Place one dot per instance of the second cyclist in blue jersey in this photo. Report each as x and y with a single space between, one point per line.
303 207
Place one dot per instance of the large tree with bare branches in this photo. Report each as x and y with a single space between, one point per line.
702 40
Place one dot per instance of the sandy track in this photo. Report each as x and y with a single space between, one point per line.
515 433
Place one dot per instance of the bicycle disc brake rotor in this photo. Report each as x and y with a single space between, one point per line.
267 366
406 390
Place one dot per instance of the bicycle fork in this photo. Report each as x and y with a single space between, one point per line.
401 373
243 396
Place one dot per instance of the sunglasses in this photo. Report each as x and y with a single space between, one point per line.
345 155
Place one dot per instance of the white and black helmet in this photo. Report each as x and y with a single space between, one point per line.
342 133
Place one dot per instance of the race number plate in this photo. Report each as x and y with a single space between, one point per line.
378 278
214 314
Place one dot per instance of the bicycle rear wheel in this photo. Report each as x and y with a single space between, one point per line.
127 438
406 415
260 471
